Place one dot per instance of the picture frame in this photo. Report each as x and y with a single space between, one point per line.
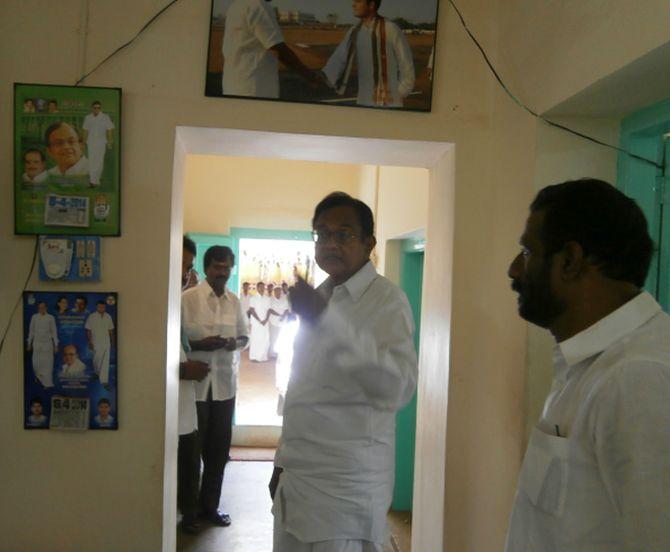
70 360
67 160
331 52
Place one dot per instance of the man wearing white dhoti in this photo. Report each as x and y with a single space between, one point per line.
279 310
100 334
43 342
99 137
379 52
260 334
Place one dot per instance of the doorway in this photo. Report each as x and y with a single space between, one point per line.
438 159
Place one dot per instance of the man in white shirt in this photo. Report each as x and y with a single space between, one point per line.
596 475
279 310
216 327
43 342
103 418
188 460
34 166
259 306
354 367
253 45
36 418
100 334
381 55
64 146
98 130
72 367
245 300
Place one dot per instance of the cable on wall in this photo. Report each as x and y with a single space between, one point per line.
123 46
523 106
18 301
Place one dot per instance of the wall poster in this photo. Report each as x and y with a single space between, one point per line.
366 53
67 160
70 360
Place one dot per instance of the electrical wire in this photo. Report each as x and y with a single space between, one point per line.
18 301
523 106
110 56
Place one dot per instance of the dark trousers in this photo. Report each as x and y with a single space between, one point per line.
188 474
215 428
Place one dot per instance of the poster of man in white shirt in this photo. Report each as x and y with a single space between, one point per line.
100 334
43 344
332 51
72 366
98 134
34 166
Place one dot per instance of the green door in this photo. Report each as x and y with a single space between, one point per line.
411 280
644 133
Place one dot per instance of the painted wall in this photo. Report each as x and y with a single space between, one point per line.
115 483
224 192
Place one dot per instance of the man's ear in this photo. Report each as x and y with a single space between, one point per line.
572 261
371 243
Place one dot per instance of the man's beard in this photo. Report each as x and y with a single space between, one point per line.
537 302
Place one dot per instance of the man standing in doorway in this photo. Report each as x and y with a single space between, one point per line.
259 305
354 367
252 46
596 472
100 334
99 137
279 311
216 328
188 460
379 51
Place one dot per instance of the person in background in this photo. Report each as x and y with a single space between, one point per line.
216 329
278 313
596 475
259 305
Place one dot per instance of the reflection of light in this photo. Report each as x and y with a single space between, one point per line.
419 246
284 350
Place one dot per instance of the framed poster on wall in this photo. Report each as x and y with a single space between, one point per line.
365 53
67 160
70 360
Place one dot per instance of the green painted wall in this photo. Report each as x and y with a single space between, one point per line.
411 280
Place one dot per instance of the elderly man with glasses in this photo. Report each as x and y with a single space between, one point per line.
354 367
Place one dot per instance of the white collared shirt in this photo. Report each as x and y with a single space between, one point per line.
203 314
188 415
351 373
596 475
97 126
250 69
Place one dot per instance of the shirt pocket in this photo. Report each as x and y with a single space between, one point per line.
544 474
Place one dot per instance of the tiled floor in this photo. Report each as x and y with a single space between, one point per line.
245 497
256 394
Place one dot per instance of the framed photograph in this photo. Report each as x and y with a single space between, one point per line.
365 53
70 360
67 160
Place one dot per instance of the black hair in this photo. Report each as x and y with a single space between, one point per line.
189 245
55 126
377 3
60 298
34 150
104 401
218 253
96 102
610 227
341 199
37 400
52 101
101 302
82 298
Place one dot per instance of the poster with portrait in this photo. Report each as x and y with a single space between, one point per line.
70 360
365 53
67 160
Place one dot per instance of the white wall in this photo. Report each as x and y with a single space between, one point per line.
224 192
114 482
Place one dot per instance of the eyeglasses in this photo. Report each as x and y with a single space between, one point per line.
341 237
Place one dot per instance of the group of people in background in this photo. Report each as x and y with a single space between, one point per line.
268 309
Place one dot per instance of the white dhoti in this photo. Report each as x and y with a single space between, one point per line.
96 160
101 362
283 541
274 334
43 363
259 342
